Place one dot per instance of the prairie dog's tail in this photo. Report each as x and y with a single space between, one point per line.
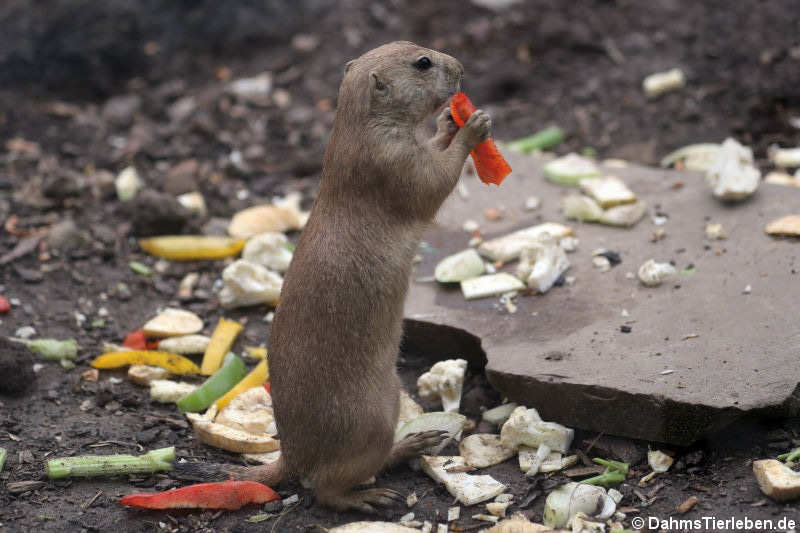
271 474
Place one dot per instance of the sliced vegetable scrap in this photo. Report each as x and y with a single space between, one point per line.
137 340
229 495
229 438
256 377
111 465
615 473
192 247
177 364
489 162
3 455
541 140
231 373
221 341
51 348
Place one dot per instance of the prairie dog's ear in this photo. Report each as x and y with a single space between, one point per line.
375 83
349 65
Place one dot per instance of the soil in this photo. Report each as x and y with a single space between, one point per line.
87 90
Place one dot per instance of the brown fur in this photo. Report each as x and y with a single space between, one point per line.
335 338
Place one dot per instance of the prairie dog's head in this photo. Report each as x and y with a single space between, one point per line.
399 80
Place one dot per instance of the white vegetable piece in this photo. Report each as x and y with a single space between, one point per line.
269 250
569 244
265 458
607 191
247 283
540 265
581 208
409 409
696 157
453 513
663 82
173 322
787 226
485 518
498 508
542 452
491 285
466 264
532 203
555 462
498 415
373 527
732 175
466 488
452 423
185 344
568 500
525 427
580 523
445 379
255 90
784 157
509 247
250 411
715 232
282 215
782 178
482 449
625 215
144 374
570 169
777 480
193 202
658 461
653 274
128 183
168 391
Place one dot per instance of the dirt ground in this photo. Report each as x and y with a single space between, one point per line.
154 96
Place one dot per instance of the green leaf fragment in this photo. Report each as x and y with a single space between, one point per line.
140 268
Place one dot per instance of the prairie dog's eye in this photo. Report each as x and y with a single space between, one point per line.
423 63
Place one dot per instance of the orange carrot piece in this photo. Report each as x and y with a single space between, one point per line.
221 495
489 162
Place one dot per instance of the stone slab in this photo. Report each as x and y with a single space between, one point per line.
564 353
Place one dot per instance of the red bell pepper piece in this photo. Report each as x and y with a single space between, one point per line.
489 162
138 341
268 387
5 306
221 495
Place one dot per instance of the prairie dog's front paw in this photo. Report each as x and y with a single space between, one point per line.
477 128
445 124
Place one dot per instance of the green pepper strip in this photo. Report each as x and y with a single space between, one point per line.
230 373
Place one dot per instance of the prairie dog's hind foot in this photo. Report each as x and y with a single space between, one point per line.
367 501
415 444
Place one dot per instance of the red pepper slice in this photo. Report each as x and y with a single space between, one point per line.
138 341
221 495
489 162
5 306
268 387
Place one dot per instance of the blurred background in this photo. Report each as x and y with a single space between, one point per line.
108 83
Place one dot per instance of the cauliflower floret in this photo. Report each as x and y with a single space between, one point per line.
269 250
445 379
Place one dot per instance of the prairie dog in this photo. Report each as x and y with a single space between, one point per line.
336 333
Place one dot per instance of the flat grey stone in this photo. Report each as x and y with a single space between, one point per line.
564 353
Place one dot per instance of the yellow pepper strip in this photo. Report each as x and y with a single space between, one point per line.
255 352
192 247
221 341
255 378
177 364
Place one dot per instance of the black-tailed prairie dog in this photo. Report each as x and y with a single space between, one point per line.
336 333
